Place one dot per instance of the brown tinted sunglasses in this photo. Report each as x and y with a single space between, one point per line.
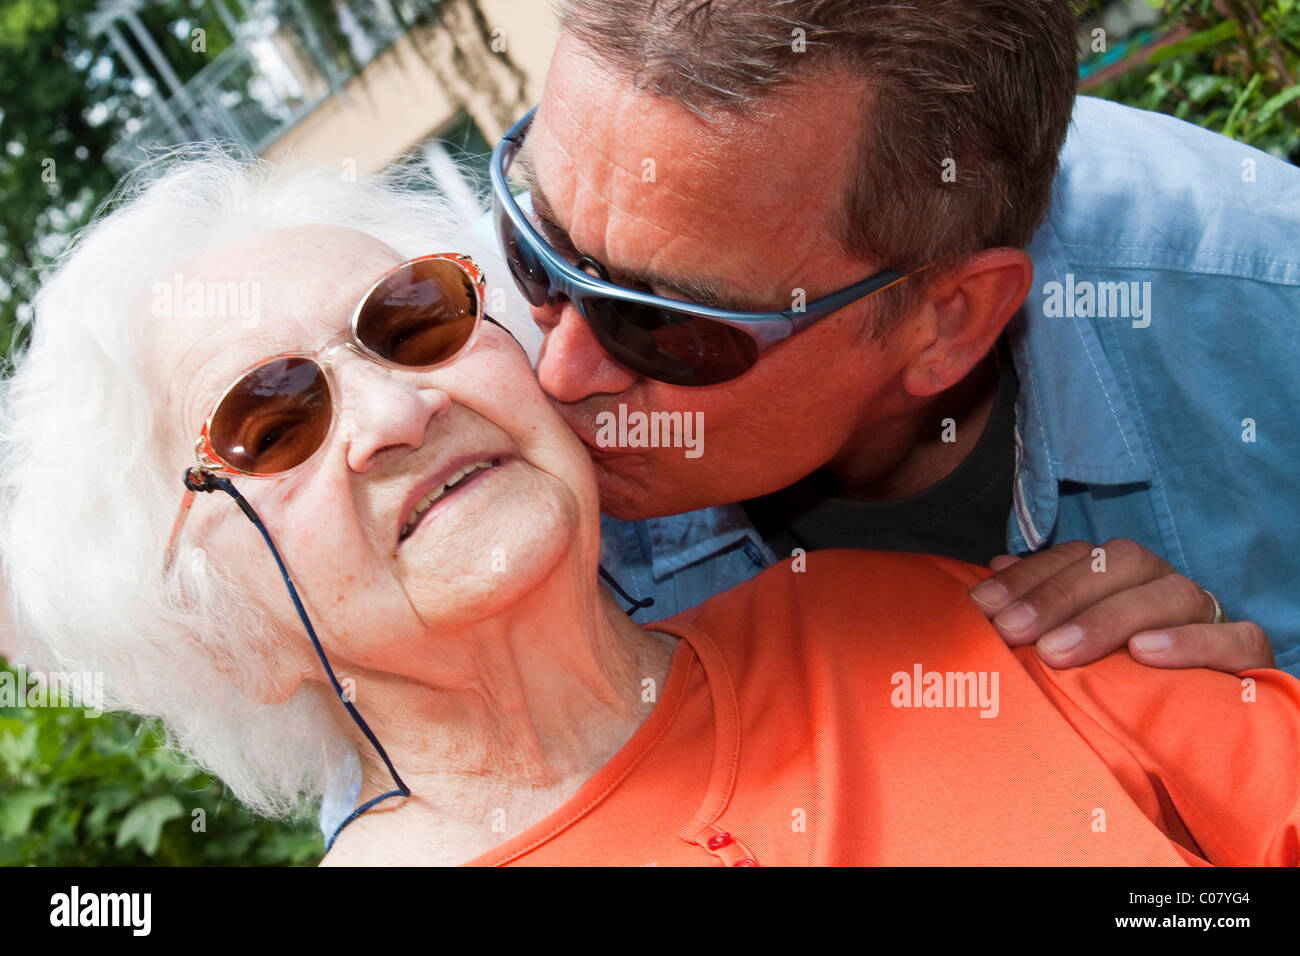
280 412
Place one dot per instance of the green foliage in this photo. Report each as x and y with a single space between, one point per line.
1235 72
45 97
63 103
103 791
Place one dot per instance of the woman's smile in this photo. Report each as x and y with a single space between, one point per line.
452 481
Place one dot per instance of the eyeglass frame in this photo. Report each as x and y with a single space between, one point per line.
208 461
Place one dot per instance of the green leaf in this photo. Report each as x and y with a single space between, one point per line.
1276 103
1230 127
1201 88
143 825
1197 41
233 847
17 810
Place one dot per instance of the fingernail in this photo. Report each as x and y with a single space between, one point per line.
1062 639
989 595
1016 618
1153 643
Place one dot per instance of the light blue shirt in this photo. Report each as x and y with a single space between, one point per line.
1168 417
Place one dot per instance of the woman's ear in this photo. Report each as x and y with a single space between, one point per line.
269 669
964 312
272 670
281 678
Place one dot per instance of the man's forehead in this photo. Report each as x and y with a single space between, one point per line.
809 122
686 175
645 152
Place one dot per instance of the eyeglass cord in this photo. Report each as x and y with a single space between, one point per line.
636 605
209 482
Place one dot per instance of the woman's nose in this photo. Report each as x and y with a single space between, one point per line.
572 364
383 409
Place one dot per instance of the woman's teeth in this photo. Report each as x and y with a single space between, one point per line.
434 494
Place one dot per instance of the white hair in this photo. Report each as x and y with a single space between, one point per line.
86 499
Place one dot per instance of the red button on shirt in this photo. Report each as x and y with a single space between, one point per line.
719 841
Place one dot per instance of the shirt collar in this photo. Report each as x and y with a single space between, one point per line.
678 541
1073 422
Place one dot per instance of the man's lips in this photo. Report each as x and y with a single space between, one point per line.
598 451
583 424
438 479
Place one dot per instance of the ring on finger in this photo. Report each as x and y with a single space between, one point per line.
1219 616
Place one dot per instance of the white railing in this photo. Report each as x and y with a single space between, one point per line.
256 89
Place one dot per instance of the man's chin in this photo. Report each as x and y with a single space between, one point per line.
616 502
627 499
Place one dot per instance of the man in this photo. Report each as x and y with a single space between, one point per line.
1118 371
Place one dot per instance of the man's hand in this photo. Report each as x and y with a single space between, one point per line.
1080 602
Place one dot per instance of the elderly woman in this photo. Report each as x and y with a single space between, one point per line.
392 558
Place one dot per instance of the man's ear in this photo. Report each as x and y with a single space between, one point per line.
964 312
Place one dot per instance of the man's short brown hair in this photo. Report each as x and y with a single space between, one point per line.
965 104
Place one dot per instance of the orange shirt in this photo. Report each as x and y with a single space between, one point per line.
863 711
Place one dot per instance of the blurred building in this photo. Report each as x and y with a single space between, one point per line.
1131 30
363 82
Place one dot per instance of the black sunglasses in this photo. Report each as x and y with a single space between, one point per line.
663 339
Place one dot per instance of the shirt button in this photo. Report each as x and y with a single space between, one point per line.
719 841
745 862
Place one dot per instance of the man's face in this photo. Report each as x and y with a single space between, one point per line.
671 202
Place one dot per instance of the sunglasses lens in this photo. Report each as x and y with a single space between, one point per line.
525 266
668 346
421 314
274 418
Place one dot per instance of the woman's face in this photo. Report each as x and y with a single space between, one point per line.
377 598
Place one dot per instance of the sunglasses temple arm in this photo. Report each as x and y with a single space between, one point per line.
198 479
186 503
